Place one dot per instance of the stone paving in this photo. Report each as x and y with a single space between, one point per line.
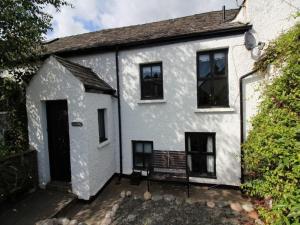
166 204
171 211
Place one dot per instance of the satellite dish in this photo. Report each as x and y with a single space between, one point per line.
250 41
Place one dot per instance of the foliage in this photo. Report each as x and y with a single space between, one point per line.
272 150
23 25
12 101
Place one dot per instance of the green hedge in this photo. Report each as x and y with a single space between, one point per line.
272 150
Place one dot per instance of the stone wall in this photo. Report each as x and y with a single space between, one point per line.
18 174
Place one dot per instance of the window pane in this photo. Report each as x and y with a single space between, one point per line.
209 144
198 142
210 164
147 158
156 72
219 64
204 92
101 125
147 89
139 147
197 164
157 89
147 147
138 160
204 66
146 72
220 87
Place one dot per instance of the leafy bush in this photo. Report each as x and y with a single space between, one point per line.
272 150
12 101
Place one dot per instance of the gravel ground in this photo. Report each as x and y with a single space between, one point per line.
175 212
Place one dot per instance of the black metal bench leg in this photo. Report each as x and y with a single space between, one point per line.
148 185
188 190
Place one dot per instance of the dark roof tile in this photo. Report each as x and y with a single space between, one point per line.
190 25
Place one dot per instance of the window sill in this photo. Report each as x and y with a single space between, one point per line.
214 110
103 144
154 101
203 177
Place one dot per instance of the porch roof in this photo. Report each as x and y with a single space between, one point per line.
91 81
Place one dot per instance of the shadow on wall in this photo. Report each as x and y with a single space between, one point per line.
54 82
167 122
102 64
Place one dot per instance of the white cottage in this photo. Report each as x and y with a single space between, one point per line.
169 94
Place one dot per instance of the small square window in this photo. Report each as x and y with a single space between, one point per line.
101 125
142 151
151 81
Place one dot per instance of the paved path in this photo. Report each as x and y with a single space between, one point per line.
39 205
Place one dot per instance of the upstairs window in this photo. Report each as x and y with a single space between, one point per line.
101 125
151 81
212 79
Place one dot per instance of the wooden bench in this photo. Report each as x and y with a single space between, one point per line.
170 166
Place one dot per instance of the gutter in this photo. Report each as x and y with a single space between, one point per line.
119 114
242 118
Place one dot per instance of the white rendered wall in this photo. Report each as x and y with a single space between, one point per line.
105 66
101 156
92 164
269 19
166 123
54 82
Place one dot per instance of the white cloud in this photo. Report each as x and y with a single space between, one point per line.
89 15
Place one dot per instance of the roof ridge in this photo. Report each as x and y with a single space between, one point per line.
148 23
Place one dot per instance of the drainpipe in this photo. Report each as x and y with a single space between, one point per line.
119 114
242 119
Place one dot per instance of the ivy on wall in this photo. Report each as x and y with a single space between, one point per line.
272 150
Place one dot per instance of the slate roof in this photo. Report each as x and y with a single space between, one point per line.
91 81
195 25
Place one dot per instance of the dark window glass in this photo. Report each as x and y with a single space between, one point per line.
212 80
142 151
101 125
151 81
201 154
219 64
204 65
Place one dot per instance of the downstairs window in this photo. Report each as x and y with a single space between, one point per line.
101 125
142 151
201 154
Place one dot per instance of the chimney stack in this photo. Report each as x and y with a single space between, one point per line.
224 13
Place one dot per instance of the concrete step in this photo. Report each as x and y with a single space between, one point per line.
59 186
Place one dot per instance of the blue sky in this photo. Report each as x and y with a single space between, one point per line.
92 15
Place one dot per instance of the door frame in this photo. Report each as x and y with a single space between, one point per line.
48 141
